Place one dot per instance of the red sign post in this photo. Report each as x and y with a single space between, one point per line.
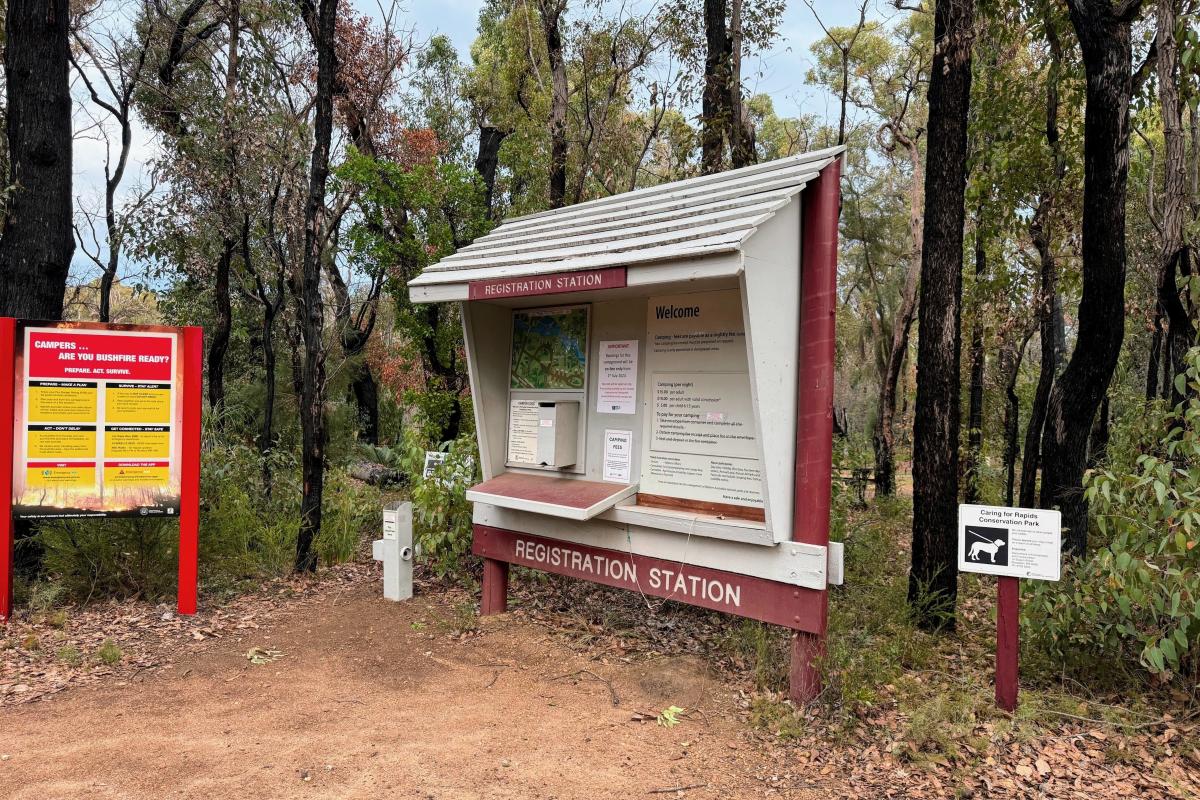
106 423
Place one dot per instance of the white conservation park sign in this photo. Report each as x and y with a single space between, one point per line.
1016 542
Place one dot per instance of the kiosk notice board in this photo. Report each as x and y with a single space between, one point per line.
105 423
652 376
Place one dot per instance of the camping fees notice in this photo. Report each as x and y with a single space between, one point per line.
97 423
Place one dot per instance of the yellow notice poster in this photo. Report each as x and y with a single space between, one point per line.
137 402
65 442
137 441
62 476
62 401
135 475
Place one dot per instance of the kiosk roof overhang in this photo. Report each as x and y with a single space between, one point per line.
689 220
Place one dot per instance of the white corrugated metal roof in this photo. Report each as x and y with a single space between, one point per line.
701 216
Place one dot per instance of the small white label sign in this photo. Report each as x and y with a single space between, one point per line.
618 455
1017 542
433 459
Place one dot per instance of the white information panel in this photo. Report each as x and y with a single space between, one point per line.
1017 542
700 441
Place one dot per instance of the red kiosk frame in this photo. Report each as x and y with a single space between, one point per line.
192 354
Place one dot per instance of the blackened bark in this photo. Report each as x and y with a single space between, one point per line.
1152 360
1098 443
978 363
1104 36
933 580
488 158
218 344
38 241
321 23
714 102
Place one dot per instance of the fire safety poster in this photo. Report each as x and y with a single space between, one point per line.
97 430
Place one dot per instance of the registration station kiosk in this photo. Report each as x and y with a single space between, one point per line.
652 376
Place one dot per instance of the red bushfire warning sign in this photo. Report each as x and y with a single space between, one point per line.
97 420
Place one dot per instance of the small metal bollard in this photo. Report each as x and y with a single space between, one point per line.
395 550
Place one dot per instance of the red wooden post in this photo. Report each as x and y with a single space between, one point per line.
8 375
1008 623
495 587
189 495
814 424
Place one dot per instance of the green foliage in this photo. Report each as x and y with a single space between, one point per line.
1136 598
246 533
669 716
108 653
441 512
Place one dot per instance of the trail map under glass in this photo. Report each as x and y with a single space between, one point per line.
549 349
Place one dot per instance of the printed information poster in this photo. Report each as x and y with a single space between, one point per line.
701 441
618 455
97 430
616 392
523 432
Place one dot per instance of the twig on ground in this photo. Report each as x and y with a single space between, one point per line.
672 789
616 698
495 677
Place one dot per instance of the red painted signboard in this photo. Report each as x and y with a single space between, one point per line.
582 281
105 421
729 592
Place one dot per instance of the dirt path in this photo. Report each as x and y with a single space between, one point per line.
375 699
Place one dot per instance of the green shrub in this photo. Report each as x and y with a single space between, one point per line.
441 512
1135 599
111 557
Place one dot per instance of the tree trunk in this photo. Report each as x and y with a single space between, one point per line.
321 25
1098 443
885 436
1013 356
978 362
1050 356
38 240
933 580
488 158
1173 259
741 128
1107 57
1153 359
714 102
551 12
218 346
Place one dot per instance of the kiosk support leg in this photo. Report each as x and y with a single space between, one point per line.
495 587
814 404
7 376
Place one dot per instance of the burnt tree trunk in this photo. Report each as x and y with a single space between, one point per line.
1050 356
933 579
486 161
1105 40
218 345
38 241
320 22
714 102
1012 357
978 363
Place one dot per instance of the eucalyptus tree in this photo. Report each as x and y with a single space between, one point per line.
37 240
884 72
933 584
1103 28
